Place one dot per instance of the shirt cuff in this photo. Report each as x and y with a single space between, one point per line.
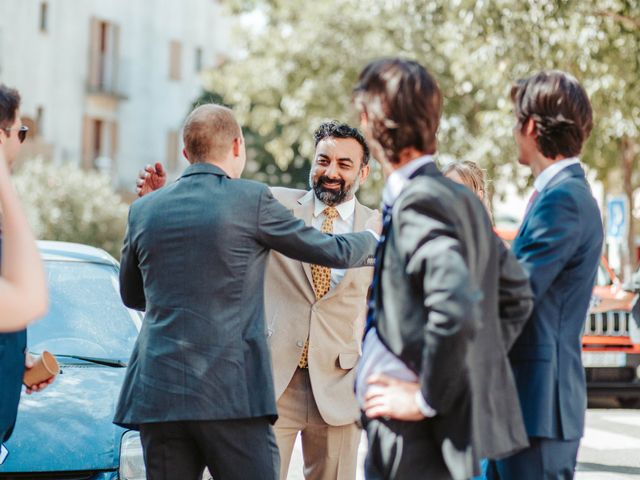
423 406
374 234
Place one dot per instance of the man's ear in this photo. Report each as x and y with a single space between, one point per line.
364 119
364 173
530 128
185 154
237 145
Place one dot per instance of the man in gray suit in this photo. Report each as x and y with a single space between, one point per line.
448 300
199 385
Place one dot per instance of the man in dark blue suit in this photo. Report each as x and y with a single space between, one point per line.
559 245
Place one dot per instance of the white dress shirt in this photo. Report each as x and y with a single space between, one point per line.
343 223
376 357
543 179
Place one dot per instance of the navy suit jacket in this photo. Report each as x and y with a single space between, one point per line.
12 347
559 245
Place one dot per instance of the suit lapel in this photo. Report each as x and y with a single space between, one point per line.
304 211
359 217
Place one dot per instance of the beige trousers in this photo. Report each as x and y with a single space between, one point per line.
329 452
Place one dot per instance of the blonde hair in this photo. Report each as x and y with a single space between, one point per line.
471 174
209 132
472 177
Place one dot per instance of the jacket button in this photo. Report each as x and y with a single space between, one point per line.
300 343
269 332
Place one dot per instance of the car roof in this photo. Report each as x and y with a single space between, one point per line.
74 252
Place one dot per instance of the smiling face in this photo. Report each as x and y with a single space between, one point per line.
337 170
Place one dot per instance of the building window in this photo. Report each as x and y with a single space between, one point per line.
175 60
198 60
172 150
39 121
44 17
99 144
104 55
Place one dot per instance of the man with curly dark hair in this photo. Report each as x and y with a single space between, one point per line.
315 327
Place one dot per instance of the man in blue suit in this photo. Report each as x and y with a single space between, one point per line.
559 245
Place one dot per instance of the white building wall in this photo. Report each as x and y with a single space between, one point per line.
51 70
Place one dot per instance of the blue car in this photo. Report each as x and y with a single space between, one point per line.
66 431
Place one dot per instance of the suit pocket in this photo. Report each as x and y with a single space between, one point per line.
348 360
540 352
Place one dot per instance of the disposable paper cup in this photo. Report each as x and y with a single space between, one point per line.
45 367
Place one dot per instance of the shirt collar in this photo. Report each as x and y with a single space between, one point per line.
345 209
400 177
551 171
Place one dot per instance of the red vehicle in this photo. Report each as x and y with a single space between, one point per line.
611 339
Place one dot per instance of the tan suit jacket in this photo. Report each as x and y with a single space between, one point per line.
333 324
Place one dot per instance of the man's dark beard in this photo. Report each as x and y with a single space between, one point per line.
330 197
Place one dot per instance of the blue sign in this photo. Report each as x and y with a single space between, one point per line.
616 217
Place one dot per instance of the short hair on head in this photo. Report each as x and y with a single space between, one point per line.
403 104
9 105
471 175
209 131
336 129
559 108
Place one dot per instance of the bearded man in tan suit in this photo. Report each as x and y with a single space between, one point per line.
315 316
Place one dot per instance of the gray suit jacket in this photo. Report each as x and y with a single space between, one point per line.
194 259
449 300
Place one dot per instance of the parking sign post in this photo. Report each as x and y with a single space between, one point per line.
617 224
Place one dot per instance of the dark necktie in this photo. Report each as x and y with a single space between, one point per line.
371 303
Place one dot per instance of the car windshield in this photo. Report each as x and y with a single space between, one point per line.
86 316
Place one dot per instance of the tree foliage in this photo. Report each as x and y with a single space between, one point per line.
300 61
261 165
66 203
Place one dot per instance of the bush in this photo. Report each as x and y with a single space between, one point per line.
69 204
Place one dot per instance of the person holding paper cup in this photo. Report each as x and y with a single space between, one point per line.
23 289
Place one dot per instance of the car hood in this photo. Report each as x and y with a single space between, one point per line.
69 425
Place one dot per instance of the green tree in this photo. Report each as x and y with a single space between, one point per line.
261 164
301 64
68 204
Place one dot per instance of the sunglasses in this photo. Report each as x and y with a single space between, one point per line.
22 132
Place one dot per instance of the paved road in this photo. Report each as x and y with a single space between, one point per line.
610 449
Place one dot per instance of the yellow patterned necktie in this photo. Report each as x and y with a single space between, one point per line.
321 277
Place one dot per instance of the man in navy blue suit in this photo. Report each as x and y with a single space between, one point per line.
559 245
